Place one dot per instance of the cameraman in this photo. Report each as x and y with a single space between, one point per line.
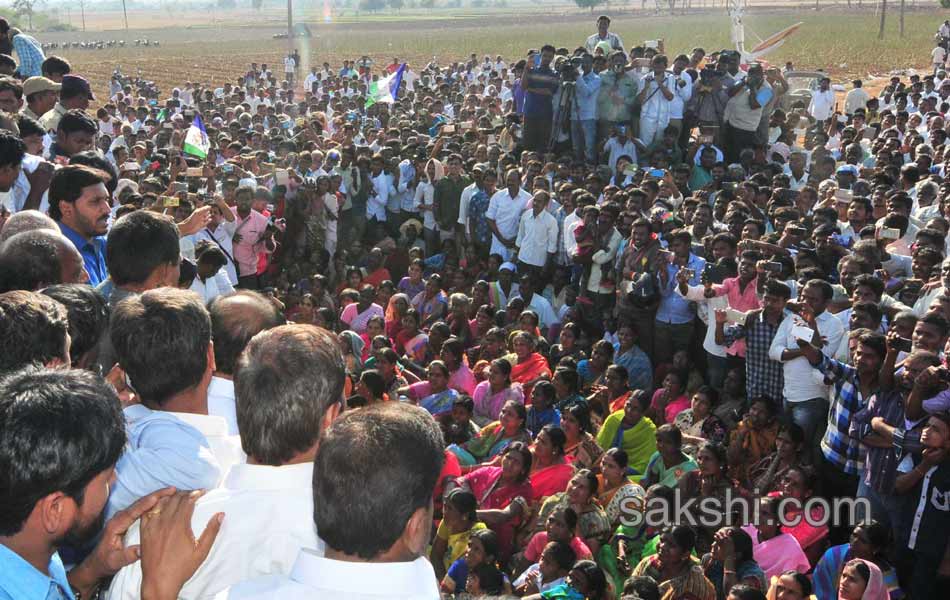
539 82
707 106
744 112
618 92
656 98
584 108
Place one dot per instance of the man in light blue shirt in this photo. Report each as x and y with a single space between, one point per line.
584 111
675 315
162 341
55 481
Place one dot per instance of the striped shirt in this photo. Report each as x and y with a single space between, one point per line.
839 448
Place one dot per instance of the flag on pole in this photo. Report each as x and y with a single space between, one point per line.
196 140
385 89
162 115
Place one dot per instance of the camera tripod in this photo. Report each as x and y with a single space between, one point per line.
562 112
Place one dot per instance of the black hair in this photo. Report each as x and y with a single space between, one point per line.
464 502
372 379
491 581
29 126
526 457
643 587
88 315
55 65
581 412
562 554
596 580
354 493
91 158
34 330
139 243
31 259
556 436
235 319
284 382
684 537
74 121
67 185
12 149
161 341
742 591
42 450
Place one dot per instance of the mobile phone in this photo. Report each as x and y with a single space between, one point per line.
179 187
281 177
705 139
890 233
168 125
651 44
902 345
842 118
491 140
658 173
170 201
630 170
735 316
802 332
448 129
729 185
773 266
844 196
227 167
465 125
194 172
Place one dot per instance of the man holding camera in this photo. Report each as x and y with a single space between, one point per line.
747 100
618 92
584 107
539 82
656 99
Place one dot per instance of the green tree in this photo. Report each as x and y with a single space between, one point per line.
396 4
25 8
588 3
372 5
427 3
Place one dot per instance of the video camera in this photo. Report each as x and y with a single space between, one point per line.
568 68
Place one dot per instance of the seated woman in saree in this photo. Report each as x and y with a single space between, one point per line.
357 315
431 302
459 522
482 321
412 341
870 542
698 423
765 476
387 363
629 356
351 345
610 397
541 411
458 320
775 551
434 394
593 371
395 311
503 494
710 481
461 378
754 438
731 562
495 437
629 430
677 573
800 483
491 395
581 448
567 388
669 400
530 366
861 580
550 470
669 462
581 495
375 327
620 498
791 584
567 346
491 346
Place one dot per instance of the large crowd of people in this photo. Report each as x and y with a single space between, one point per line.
598 323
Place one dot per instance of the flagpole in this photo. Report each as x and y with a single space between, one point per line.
290 24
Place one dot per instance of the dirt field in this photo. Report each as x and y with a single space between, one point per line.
212 48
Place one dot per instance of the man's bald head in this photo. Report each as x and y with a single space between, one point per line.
26 220
34 259
235 319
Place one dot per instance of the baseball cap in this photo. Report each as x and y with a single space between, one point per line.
74 85
508 266
34 85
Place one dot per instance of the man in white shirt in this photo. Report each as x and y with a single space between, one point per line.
220 231
856 98
376 524
268 503
504 214
536 243
235 319
162 340
822 104
536 302
806 395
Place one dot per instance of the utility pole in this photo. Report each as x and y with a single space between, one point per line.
82 8
125 15
290 24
